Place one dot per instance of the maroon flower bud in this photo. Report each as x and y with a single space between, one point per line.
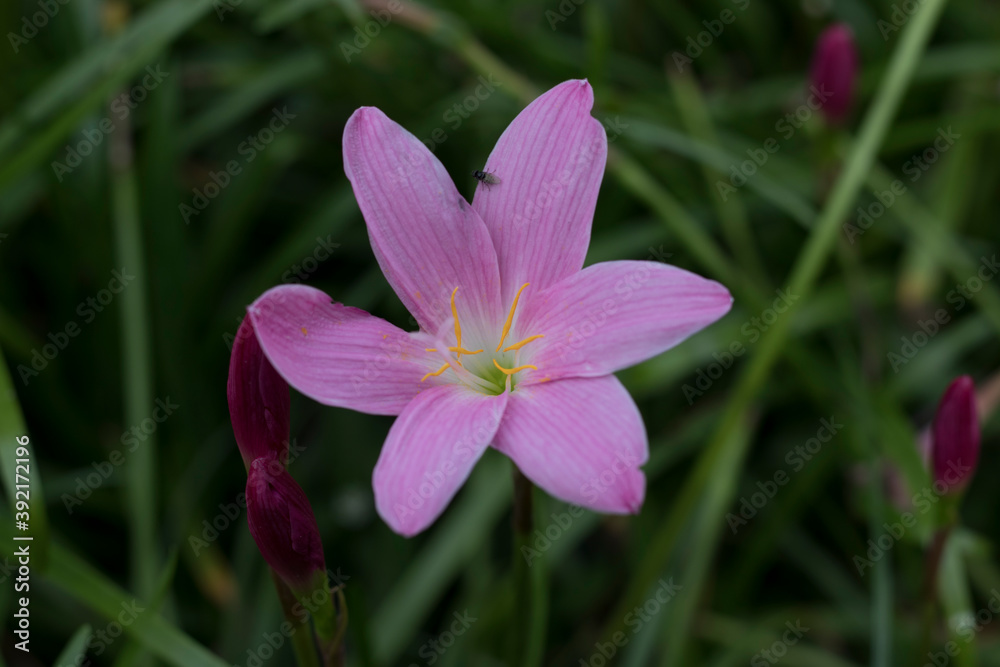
283 525
955 435
259 403
834 71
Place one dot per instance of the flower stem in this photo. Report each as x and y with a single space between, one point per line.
303 644
932 564
530 603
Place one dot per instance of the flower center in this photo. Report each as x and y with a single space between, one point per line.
480 375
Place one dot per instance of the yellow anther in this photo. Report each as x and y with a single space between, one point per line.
520 344
462 350
510 316
511 371
437 372
430 349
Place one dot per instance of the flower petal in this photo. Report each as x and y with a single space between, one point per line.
613 315
338 355
259 403
427 239
550 162
430 452
582 440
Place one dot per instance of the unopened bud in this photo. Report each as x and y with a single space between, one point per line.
955 435
259 402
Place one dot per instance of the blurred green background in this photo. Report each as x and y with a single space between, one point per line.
116 116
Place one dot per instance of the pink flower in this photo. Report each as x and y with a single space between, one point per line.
834 71
955 435
517 345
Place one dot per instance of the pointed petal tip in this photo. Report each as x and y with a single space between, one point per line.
635 493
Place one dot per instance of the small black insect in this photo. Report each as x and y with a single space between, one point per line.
486 178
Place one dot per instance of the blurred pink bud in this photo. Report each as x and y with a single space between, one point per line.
283 525
955 433
834 70
259 403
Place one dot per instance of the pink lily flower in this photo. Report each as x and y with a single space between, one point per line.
517 345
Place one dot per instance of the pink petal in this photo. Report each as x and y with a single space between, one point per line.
550 162
582 440
430 452
426 237
613 315
338 355
259 404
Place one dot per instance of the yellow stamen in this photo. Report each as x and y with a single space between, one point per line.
510 317
520 344
458 327
462 350
511 371
437 372
430 349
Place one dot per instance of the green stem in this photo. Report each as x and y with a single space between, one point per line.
932 564
303 643
530 605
